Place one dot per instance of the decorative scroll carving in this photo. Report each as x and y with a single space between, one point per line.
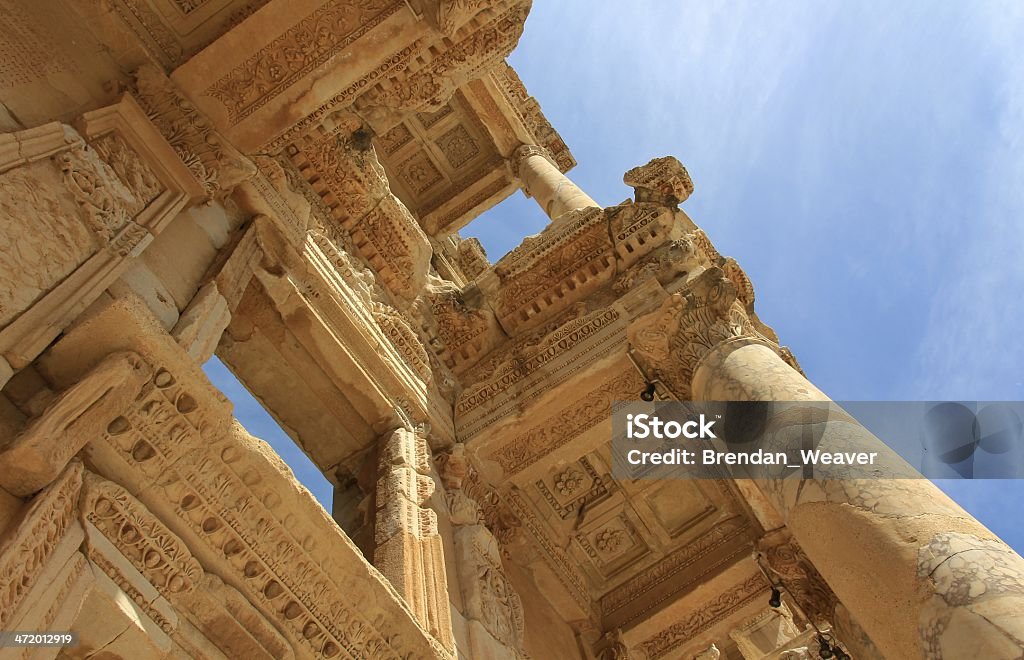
711 612
489 596
103 198
308 44
431 87
25 550
673 340
210 158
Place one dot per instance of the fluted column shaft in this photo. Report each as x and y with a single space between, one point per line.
544 182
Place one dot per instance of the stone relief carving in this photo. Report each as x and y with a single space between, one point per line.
488 595
294 53
715 609
212 160
25 551
672 341
430 88
353 187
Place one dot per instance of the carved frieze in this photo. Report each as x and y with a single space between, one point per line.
715 609
554 269
223 494
212 160
297 51
429 88
26 549
672 341
75 206
154 550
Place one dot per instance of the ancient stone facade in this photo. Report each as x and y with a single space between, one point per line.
280 183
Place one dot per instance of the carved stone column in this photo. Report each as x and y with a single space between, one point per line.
541 179
409 550
918 573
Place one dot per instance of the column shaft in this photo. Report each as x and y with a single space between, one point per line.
543 181
920 575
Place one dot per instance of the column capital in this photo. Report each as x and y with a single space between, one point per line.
672 341
525 151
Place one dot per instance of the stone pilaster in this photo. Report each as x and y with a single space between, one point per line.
409 551
543 181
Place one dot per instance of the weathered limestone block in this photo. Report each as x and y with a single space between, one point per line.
80 413
75 207
201 325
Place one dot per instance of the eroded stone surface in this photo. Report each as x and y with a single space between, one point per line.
279 183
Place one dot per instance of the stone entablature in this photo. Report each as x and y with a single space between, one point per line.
278 183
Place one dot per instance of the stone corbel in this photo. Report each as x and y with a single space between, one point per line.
80 413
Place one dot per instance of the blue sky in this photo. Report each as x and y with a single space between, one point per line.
863 161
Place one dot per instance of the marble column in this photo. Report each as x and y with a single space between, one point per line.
918 573
541 179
